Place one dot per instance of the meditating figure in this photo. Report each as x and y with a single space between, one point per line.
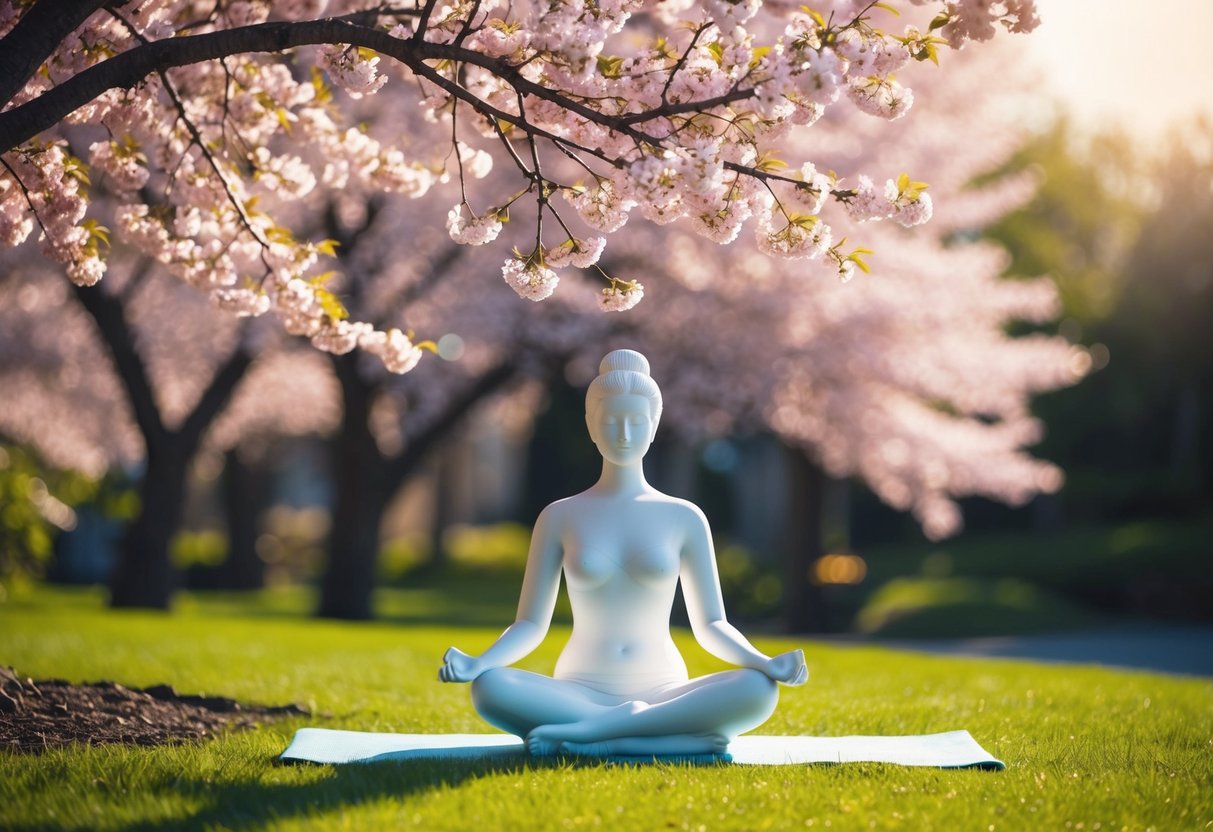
620 686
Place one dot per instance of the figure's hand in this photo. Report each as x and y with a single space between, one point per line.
788 668
458 666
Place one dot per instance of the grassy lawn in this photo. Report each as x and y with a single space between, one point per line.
1086 748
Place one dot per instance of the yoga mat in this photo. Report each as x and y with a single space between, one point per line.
953 749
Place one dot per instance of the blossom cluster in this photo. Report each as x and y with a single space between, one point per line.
209 158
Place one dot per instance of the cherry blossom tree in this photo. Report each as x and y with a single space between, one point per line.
216 146
191 110
143 371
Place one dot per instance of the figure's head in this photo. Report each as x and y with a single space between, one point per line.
623 407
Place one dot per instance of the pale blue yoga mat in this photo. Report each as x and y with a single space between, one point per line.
954 749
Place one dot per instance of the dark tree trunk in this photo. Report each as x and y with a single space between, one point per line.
444 509
246 494
358 478
353 550
803 601
144 576
365 480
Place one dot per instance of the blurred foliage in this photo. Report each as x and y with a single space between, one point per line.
292 543
1082 220
207 547
1125 233
1161 568
751 589
36 503
932 607
402 556
500 548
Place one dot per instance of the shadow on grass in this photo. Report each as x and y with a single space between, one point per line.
251 803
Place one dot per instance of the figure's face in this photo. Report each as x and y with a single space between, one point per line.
622 428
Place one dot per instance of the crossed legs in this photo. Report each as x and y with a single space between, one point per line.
698 716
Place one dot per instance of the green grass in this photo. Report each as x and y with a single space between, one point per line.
1086 748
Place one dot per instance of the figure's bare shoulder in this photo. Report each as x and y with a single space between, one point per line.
684 511
555 515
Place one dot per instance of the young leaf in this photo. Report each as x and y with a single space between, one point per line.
816 15
332 307
327 246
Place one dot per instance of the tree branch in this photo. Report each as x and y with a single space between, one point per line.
402 464
20 124
216 397
409 294
36 35
109 314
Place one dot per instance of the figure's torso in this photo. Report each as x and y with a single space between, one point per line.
621 561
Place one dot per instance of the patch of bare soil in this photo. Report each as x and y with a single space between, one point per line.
50 713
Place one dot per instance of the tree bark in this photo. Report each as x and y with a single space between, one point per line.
358 480
144 576
245 496
37 34
443 513
365 481
803 601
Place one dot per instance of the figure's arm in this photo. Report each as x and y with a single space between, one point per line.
705 609
540 585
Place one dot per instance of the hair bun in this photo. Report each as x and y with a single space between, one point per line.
628 360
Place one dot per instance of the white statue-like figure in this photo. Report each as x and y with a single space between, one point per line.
620 686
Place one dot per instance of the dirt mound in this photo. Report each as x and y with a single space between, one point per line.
49 713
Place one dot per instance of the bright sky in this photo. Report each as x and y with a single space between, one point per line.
1140 63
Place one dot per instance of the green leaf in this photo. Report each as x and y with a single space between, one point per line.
939 21
427 345
888 8
322 278
903 182
860 264
327 246
816 15
769 163
507 26
96 231
77 170
611 66
279 234
717 52
332 307
367 54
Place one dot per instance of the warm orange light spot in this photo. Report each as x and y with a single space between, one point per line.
839 569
